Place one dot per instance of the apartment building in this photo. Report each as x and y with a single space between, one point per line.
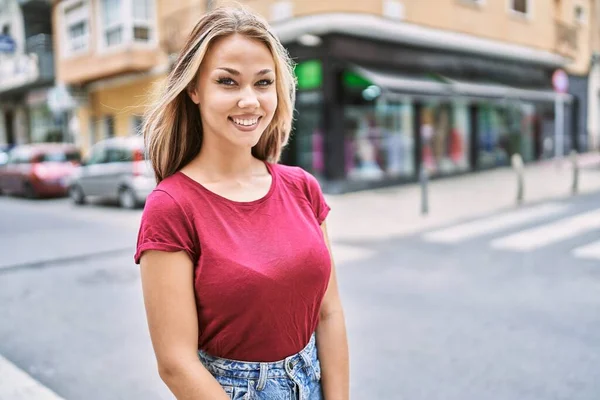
386 87
26 73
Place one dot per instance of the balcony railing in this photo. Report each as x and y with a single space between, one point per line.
35 65
41 45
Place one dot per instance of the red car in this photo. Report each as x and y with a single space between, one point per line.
39 170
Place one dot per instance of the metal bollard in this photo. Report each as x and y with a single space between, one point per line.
517 164
575 183
424 181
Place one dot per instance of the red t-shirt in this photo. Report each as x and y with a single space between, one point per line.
261 267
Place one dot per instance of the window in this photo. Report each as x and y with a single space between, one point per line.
126 21
445 134
76 18
60 156
137 122
520 6
112 23
116 154
98 155
472 2
142 20
109 126
579 15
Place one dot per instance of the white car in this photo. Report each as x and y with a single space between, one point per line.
116 169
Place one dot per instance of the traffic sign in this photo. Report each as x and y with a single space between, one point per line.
560 81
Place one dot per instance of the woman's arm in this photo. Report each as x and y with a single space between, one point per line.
332 342
168 286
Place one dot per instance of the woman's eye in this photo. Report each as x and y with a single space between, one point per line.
226 81
265 82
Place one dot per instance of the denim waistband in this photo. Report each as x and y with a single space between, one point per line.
263 370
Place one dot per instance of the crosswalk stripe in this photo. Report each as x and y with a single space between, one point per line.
494 223
544 235
15 384
589 251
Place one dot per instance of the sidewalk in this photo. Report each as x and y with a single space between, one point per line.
379 214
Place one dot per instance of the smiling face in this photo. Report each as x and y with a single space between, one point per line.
235 89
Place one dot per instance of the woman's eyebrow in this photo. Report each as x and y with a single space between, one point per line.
237 73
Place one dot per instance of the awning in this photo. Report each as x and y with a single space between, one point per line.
494 90
403 83
424 84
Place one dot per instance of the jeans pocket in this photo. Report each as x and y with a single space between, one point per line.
235 388
236 393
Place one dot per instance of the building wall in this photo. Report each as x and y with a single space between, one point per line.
123 102
490 19
95 63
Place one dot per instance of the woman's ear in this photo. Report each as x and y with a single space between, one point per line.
193 93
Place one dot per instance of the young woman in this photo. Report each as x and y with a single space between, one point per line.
239 286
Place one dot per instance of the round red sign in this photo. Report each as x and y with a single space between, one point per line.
560 81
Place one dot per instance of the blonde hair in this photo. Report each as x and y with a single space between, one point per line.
173 127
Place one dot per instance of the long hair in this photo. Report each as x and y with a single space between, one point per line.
173 127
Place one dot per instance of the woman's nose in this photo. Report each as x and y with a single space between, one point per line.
248 99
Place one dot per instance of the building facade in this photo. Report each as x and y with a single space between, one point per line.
386 87
391 87
26 73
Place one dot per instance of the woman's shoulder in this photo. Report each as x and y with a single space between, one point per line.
171 192
298 178
292 174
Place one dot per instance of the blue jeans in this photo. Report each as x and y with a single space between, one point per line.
298 377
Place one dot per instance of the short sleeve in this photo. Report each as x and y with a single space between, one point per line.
316 198
165 227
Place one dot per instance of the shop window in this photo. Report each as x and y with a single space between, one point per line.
505 130
445 134
379 140
307 143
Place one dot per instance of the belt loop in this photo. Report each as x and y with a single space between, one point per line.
308 362
262 379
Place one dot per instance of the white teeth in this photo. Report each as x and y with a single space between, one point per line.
245 122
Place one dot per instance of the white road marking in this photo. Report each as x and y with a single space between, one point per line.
494 223
532 239
15 384
589 251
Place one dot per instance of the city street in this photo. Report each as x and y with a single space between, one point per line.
503 306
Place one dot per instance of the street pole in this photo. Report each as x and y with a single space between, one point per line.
517 164
575 165
424 180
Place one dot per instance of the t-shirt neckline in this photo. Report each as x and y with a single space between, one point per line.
271 171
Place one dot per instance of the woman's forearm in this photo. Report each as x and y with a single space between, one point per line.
192 381
332 347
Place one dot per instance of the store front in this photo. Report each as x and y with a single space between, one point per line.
372 114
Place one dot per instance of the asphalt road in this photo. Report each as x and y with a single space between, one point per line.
471 312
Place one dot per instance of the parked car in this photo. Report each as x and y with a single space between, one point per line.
115 170
39 170
4 154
